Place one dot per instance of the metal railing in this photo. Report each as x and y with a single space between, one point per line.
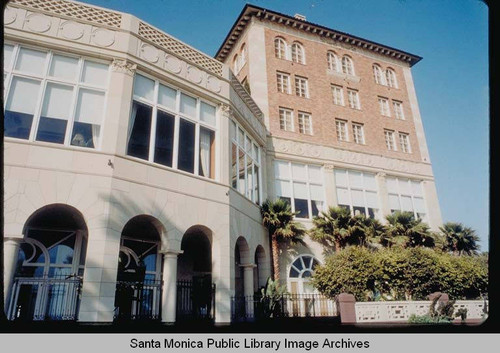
37 299
195 301
248 308
138 300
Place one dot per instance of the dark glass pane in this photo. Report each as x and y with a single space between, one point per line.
186 146
293 273
316 205
82 134
359 210
306 274
234 172
371 212
138 144
307 261
17 124
164 143
150 261
297 263
315 263
301 208
286 199
345 206
62 253
51 130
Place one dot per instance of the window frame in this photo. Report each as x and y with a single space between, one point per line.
384 107
353 99
280 76
303 127
404 142
301 86
338 92
398 109
392 81
390 140
410 194
280 48
378 75
297 53
332 61
358 133
291 180
44 79
256 196
341 127
178 115
348 65
286 110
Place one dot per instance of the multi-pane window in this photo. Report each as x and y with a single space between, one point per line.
283 80
341 127
398 110
301 185
391 78
378 75
286 119
279 48
171 128
404 142
53 98
245 163
353 98
406 195
301 87
384 106
358 133
338 95
347 65
389 140
298 53
332 60
357 191
305 125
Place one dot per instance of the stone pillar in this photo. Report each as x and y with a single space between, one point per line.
383 197
169 290
248 288
10 253
346 306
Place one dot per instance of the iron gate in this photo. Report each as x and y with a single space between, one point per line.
196 300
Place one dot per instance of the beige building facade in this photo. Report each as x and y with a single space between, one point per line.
342 116
134 164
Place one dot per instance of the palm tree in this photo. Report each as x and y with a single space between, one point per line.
278 217
403 229
337 228
460 239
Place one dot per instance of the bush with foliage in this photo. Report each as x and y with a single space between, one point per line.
401 274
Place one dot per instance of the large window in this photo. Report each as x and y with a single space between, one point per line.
358 133
404 142
390 140
158 111
279 48
398 110
378 75
347 65
341 127
391 78
332 61
53 98
406 195
383 104
301 185
357 191
283 81
298 53
245 163
338 95
353 98
305 124
301 87
286 119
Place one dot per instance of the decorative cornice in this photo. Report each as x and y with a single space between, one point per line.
123 66
226 110
285 20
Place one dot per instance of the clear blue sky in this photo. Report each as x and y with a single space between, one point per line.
451 80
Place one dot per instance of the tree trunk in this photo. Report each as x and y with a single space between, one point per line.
276 259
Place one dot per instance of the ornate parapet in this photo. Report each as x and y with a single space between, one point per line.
123 66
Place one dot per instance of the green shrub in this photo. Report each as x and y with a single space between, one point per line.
401 274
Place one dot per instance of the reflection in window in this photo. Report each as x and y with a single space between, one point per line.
186 146
164 141
139 128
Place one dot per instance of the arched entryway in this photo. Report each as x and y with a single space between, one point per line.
304 296
138 286
195 290
259 272
243 281
50 265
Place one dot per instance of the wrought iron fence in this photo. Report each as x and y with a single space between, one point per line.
195 300
138 300
36 299
248 308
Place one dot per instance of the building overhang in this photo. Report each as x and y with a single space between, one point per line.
260 13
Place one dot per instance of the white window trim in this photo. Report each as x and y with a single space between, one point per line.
363 190
405 147
300 281
362 133
399 194
392 134
344 128
398 112
354 103
309 115
292 124
384 107
299 82
340 89
306 181
177 116
44 79
285 78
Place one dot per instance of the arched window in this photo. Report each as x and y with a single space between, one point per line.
378 75
331 58
235 64
243 55
300 274
279 48
298 53
391 78
347 65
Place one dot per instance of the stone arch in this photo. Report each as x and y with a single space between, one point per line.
261 268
